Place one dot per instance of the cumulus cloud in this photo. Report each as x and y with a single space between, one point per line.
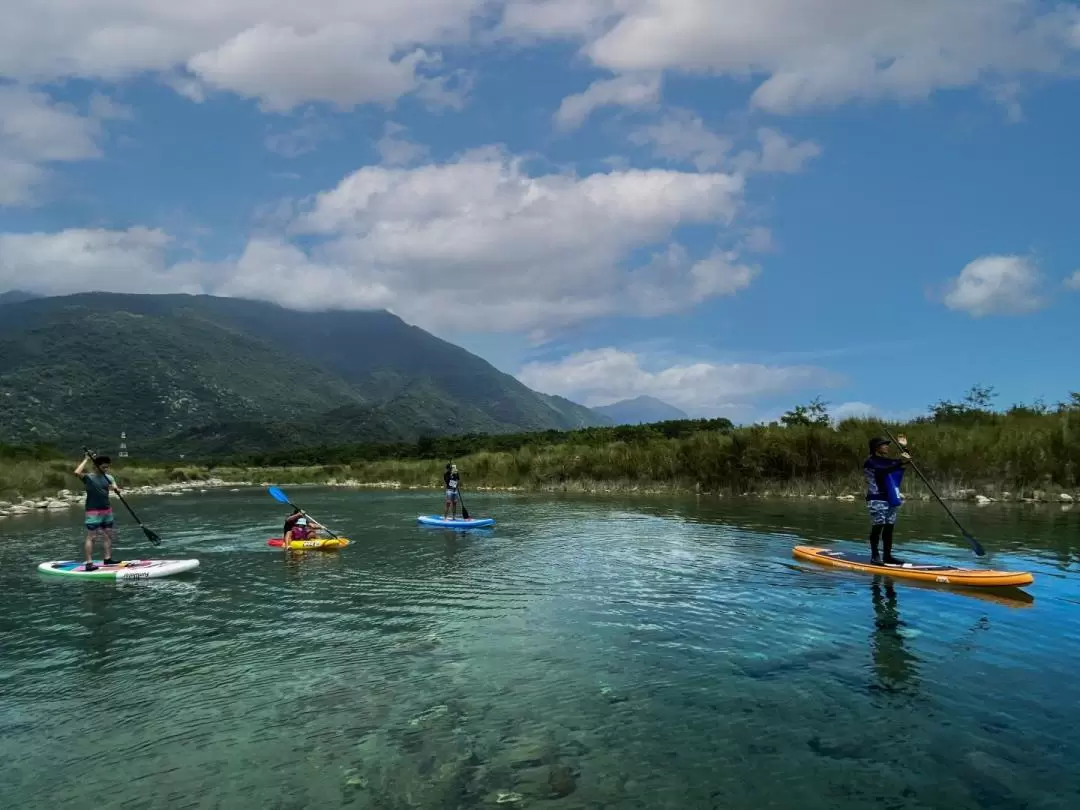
300 139
815 52
602 376
278 52
35 131
779 153
996 285
477 241
81 259
1073 281
397 150
682 137
622 91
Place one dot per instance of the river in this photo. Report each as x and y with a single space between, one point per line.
594 653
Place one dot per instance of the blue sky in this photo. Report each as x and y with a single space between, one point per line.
731 208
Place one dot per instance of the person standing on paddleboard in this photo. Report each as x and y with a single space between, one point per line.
883 475
451 482
99 514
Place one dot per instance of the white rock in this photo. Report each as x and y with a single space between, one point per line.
983 500
41 505
1065 497
58 505
19 509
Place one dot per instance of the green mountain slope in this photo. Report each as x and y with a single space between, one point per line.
213 374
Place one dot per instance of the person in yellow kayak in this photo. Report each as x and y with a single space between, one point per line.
303 528
883 475
451 482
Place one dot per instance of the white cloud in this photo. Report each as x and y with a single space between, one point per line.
279 52
815 52
759 240
1073 281
477 242
396 150
996 285
779 153
623 91
853 410
83 259
300 139
35 131
681 136
601 376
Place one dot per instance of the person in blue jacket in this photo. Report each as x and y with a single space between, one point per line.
883 475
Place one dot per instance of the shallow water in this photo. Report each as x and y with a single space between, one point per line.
611 653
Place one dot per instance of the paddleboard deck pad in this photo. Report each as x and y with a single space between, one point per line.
455 523
315 544
940 574
125 569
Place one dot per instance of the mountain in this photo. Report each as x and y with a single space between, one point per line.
639 410
205 373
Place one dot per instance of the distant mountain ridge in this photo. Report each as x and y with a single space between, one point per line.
640 410
188 373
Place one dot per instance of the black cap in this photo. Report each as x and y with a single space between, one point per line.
876 442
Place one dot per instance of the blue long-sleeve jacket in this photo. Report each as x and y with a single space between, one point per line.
875 468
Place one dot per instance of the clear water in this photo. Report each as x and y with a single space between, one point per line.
593 653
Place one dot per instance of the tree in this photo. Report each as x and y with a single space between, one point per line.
816 413
980 397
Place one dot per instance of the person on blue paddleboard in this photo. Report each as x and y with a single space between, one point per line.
99 513
883 476
451 482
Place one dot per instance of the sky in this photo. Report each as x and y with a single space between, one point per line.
731 207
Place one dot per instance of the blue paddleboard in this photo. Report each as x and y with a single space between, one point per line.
454 523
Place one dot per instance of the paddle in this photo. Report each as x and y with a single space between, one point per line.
150 535
281 497
464 511
975 545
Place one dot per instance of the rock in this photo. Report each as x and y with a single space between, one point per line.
1006 496
56 505
1039 496
508 798
982 500
965 494
561 780
1065 497
41 505
18 509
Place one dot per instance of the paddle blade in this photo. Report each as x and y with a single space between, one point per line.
976 545
278 495
152 536
464 512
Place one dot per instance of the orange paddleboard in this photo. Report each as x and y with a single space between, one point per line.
941 574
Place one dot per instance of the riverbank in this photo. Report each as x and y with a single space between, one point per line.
25 486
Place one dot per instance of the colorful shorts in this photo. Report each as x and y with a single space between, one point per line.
99 519
451 495
881 513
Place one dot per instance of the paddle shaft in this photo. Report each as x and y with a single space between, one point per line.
975 545
297 508
151 536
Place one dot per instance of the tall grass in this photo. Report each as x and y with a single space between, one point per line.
1023 452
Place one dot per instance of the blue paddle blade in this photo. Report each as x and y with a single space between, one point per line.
277 495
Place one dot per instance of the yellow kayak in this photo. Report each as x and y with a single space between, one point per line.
939 574
317 544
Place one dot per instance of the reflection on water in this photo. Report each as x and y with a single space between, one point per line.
619 653
896 666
